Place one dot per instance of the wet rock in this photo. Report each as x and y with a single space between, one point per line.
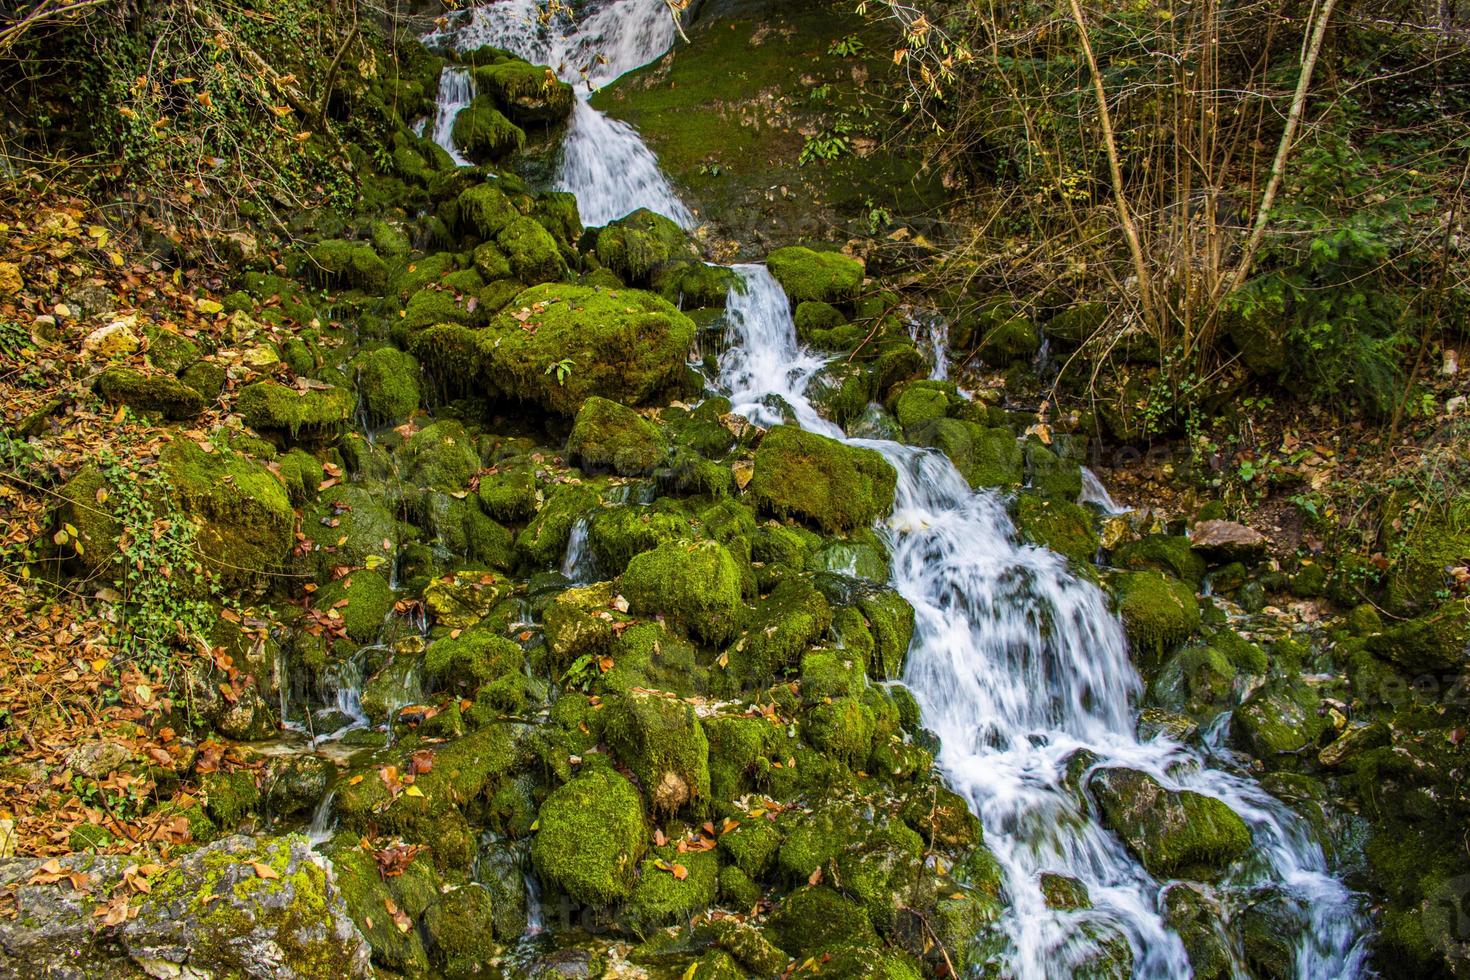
1171 831
215 913
309 413
590 838
834 486
695 586
664 744
1227 541
815 918
608 437
808 276
1280 719
1158 613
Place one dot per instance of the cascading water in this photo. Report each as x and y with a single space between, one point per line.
456 90
604 162
1018 666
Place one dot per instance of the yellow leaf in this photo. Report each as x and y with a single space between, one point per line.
413 791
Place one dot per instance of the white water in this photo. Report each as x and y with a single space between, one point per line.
576 564
929 330
1018 664
1093 492
456 90
604 162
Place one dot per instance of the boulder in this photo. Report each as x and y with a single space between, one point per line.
1227 541
240 907
1173 832
608 437
154 394
834 486
695 586
591 837
822 277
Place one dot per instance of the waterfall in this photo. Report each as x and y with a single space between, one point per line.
1093 492
929 331
456 90
576 564
1018 665
604 162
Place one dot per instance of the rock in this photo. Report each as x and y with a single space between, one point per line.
461 600
626 346
528 94
829 484
272 408
1227 540
1059 524
160 394
214 913
1158 613
96 760
351 264
1352 742
808 276
10 279
608 437
641 244
1436 641
590 838
695 586
441 456
985 456
388 383
815 918
484 134
1280 718
1199 920
117 339
1173 832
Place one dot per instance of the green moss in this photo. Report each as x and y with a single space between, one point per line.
1061 525
591 837
361 600
785 624
808 276
1052 475
986 457
834 486
349 264
815 321
301 473
944 820
346 525
664 744
842 729
1197 681
388 384
1280 719
229 797
1171 832
740 751
205 377
557 212
661 898
531 251
461 600
441 455
461 925
365 893
1004 337
484 134
465 663
1158 612
695 586
574 623
827 674
607 436
737 890
485 210
154 394
628 347
508 491
635 246
269 407
544 539
1170 554
616 534
528 94
694 285
921 402
1435 641
816 918
752 847
242 516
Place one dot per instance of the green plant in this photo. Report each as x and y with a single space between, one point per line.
847 47
826 146
583 671
562 369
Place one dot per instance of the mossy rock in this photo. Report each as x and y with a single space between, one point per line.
695 586
785 625
629 347
642 243
820 480
531 95
921 402
662 898
1005 337
985 456
230 797
741 749
591 837
352 265
462 599
1158 612
348 525
822 277
751 847
1280 719
1058 524
815 322
360 600
508 491
1052 475
817 918
461 927
388 384
943 818
1198 682
1170 554
842 729
151 394
694 285
271 408
608 437
205 377
169 351
485 135
616 534
441 455
471 661
1173 832
664 744
1435 641
485 210
531 252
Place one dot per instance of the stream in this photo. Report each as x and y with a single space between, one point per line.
1019 665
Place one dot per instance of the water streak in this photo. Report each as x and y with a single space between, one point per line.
456 90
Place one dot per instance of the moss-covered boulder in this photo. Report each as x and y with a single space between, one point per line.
591 837
312 411
822 277
663 742
608 437
558 345
1173 832
531 252
212 912
1061 525
360 602
1280 719
673 887
793 617
1438 640
440 455
151 394
985 456
388 384
644 242
528 94
693 585
484 134
816 918
1170 554
820 480
337 262
485 210
1158 612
